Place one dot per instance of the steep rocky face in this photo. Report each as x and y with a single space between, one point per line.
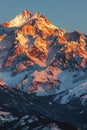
31 46
40 58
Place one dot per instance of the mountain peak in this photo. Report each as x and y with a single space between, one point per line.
26 12
20 19
38 57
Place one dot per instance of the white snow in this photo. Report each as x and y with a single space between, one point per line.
75 93
51 126
50 103
6 116
75 82
12 80
41 93
19 20
67 80
4 113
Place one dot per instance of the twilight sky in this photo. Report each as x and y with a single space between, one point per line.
67 14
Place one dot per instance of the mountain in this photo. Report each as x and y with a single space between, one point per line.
37 58
21 111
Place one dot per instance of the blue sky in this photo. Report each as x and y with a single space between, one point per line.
67 14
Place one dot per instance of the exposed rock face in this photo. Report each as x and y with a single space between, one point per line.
38 57
2 82
31 42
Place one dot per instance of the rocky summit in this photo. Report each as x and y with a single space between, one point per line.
43 75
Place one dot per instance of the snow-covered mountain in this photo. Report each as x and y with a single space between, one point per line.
21 111
38 57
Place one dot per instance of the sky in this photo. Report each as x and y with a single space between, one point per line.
67 14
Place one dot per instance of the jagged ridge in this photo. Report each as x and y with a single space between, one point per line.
30 41
38 57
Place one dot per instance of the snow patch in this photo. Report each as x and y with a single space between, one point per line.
12 80
77 92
